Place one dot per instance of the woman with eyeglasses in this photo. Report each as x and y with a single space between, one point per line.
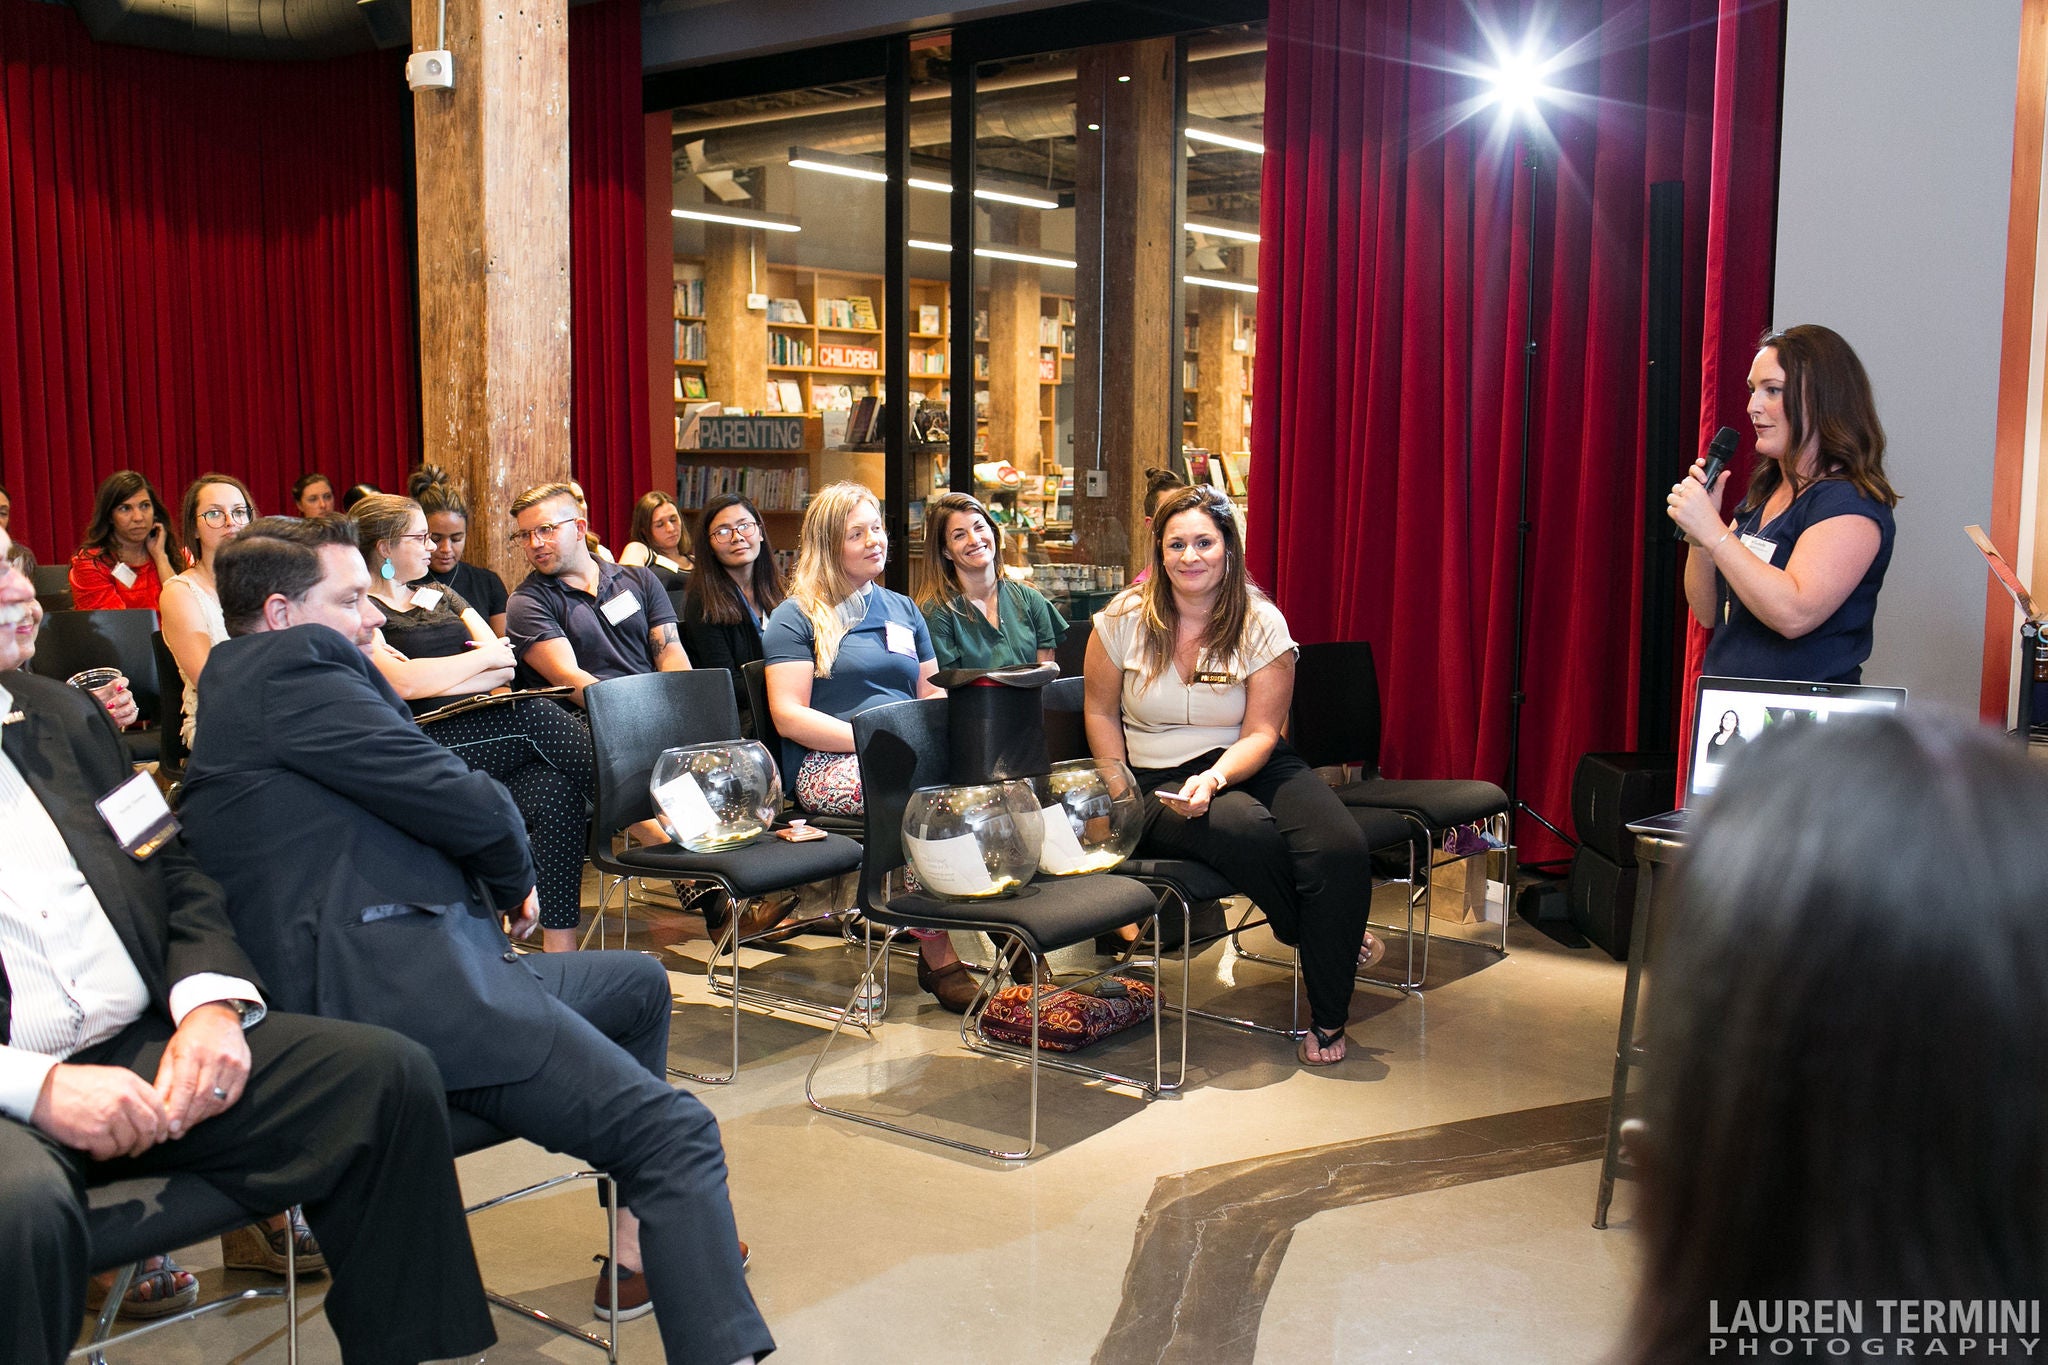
447 536
216 507
129 551
725 607
435 648
977 617
1189 677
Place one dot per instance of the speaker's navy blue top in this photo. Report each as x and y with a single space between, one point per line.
1834 651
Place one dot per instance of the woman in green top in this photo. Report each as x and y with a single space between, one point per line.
977 617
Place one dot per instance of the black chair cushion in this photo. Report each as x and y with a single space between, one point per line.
1047 915
467 1133
1384 827
768 864
127 1220
1439 804
144 746
1195 881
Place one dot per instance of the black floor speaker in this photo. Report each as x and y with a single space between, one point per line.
1601 897
1609 790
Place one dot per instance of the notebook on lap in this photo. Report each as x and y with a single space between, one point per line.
1728 713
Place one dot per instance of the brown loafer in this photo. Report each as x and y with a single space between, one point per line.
953 984
633 1300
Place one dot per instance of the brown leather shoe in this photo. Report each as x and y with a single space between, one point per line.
953 984
633 1300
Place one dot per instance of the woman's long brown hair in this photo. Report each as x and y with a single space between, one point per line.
1159 617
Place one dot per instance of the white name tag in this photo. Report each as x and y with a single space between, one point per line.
1061 852
898 638
136 813
124 575
621 607
426 599
682 801
1763 549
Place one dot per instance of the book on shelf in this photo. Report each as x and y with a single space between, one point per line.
773 401
1066 340
788 351
1066 310
792 396
687 422
689 298
928 318
862 422
833 421
1191 335
771 490
786 310
981 324
1198 463
691 386
691 342
1236 466
1191 374
863 311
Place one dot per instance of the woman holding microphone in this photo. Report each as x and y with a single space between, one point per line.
1789 586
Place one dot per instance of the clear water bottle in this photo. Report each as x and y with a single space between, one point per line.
867 1005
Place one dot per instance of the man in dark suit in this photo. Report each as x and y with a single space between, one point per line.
367 870
129 1045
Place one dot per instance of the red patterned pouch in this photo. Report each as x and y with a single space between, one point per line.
1068 1020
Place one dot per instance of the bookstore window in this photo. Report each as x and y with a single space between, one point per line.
1103 341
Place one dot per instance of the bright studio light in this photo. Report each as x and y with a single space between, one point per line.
1518 83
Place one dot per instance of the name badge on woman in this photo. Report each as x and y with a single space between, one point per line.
426 599
1760 547
898 638
1216 679
621 607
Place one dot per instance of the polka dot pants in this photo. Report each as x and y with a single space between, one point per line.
540 750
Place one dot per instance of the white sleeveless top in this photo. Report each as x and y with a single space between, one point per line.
216 630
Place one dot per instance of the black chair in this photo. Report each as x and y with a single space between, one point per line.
632 720
53 586
467 1134
128 1221
72 641
1336 720
1072 650
903 746
754 676
171 751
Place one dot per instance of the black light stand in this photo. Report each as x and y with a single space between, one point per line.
1516 696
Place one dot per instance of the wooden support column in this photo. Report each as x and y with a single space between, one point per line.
738 373
1126 241
1219 408
1013 341
661 272
492 162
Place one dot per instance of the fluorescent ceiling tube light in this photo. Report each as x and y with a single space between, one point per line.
1221 282
1225 135
996 253
832 163
747 218
866 168
1235 234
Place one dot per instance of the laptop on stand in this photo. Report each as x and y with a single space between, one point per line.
1727 713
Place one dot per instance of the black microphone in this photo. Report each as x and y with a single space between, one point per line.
1719 450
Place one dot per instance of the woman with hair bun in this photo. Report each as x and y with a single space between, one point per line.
447 533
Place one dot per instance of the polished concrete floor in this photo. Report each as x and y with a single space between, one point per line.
1429 1199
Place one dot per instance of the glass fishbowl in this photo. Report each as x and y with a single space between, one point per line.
716 796
970 843
1093 813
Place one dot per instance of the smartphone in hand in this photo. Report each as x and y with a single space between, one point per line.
1174 798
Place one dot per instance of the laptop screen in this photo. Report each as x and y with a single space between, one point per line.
1730 712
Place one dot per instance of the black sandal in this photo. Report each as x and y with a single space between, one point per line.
1323 1043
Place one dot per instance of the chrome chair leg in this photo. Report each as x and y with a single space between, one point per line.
608 1344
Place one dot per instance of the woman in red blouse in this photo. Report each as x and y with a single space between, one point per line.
130 550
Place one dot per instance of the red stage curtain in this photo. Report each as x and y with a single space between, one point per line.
1387 426
608 261
203 265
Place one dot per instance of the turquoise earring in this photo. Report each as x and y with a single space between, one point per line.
387 573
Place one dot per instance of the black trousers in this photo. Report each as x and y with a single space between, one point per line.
603 1096
343 1118
1284 839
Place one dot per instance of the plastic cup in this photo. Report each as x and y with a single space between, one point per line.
93 679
